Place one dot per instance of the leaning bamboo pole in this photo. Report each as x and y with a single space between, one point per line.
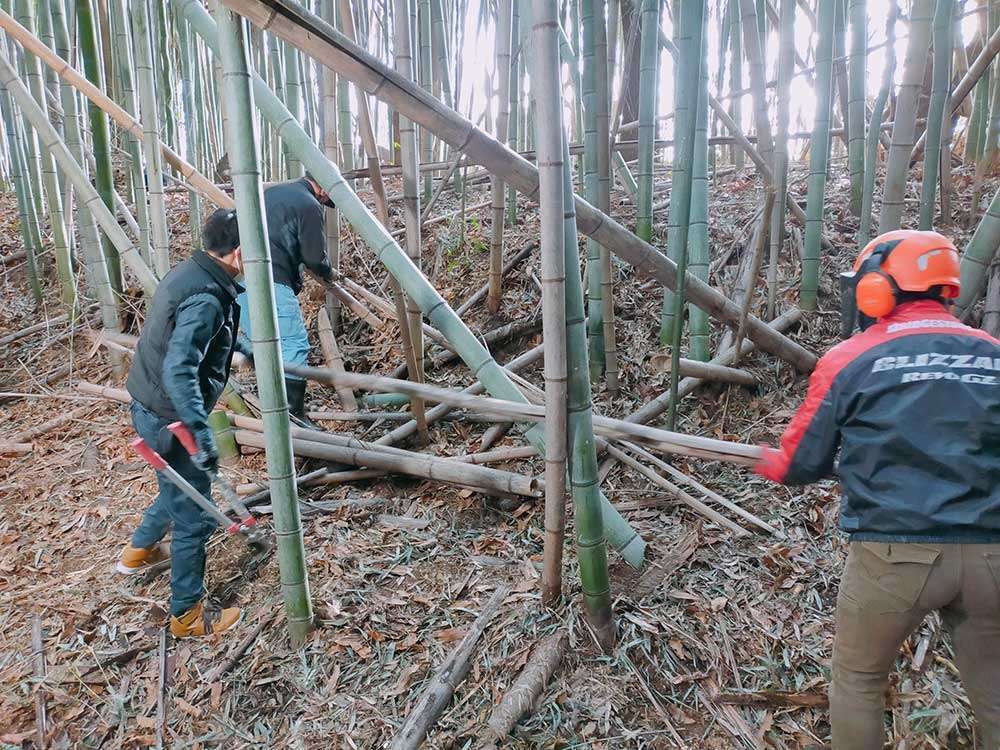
105 105
753 44
242 149
942 35
86 193
626 541
329 45
503 68
905 118
819 149
149 112
856 72
545 86
979 253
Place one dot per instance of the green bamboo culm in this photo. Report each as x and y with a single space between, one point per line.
819 148
100 133
978 256
875 128
698 240
629 544
786 64
53 194
426 83
514 110
29 238
941 82
736 75
691 59
648 66
976 127
190 113
149 103
857 76
293 100
685 90
905 119
589 521
346 123
595 307
753 43
241 141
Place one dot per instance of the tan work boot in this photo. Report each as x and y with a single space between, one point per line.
137 559
201 620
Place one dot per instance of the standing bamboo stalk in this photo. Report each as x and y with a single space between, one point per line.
545 86
979 253
857 76
819 149
149 102
698 240
942 34
293 100
425 73
331 137
241 138
786 62
905 119
875 128
503 68
191 115
648 67
753 44
692 22
99 132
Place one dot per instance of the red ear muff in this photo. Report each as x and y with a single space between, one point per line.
875 295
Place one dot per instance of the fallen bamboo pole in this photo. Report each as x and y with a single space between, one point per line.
259 492
670 442
694 368
393 416
6 447
199 182
413 464
331 353
446 679
26 436
37 327
360 311
303 29
385 307
495 337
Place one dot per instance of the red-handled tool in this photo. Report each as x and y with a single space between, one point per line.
157 461
184 436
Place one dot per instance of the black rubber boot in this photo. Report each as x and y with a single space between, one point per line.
295 389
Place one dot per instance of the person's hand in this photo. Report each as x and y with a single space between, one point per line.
207 457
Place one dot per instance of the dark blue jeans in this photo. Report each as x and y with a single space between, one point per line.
172 508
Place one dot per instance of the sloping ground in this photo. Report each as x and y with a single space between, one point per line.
710 615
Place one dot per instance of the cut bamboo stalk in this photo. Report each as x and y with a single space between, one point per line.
26 436
192 176
38 659
694 368
327 44
6 447
755 264
386 308
352 304
331 353
495 338
402 462
509 265
446 679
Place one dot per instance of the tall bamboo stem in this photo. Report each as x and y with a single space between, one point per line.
786 62
505 99
941 81
754 46
905 118
149 101
979 253
698 240
648 68
819 150
241 138
875 128
191 115
857 77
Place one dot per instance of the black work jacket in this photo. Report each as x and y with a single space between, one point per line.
296 233
913 406
185 350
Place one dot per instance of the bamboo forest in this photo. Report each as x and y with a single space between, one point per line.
468 374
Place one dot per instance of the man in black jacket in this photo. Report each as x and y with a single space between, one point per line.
912 404
297 237
182 363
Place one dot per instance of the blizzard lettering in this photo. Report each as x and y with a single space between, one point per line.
932 359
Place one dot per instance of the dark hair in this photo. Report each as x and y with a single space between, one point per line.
221 233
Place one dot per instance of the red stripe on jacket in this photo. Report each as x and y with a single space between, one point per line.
908 319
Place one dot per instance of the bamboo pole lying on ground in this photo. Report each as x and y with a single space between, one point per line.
670 442
705 370
446 679
192 176
335 50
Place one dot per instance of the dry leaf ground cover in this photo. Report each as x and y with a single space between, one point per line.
399 568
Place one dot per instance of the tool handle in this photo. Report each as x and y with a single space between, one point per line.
150 456
183 434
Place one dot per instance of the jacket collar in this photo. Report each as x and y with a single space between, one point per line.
915 309
217 272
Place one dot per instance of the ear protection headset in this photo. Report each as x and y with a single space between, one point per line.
875 291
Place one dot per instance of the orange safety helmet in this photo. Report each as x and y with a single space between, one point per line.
903 260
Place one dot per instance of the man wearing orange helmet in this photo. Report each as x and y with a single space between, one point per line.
912 403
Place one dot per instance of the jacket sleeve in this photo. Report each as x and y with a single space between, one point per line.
312 241
197 321
809 444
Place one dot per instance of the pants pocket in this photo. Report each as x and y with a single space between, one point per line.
886 577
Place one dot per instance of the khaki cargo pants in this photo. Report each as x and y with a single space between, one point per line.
886 592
